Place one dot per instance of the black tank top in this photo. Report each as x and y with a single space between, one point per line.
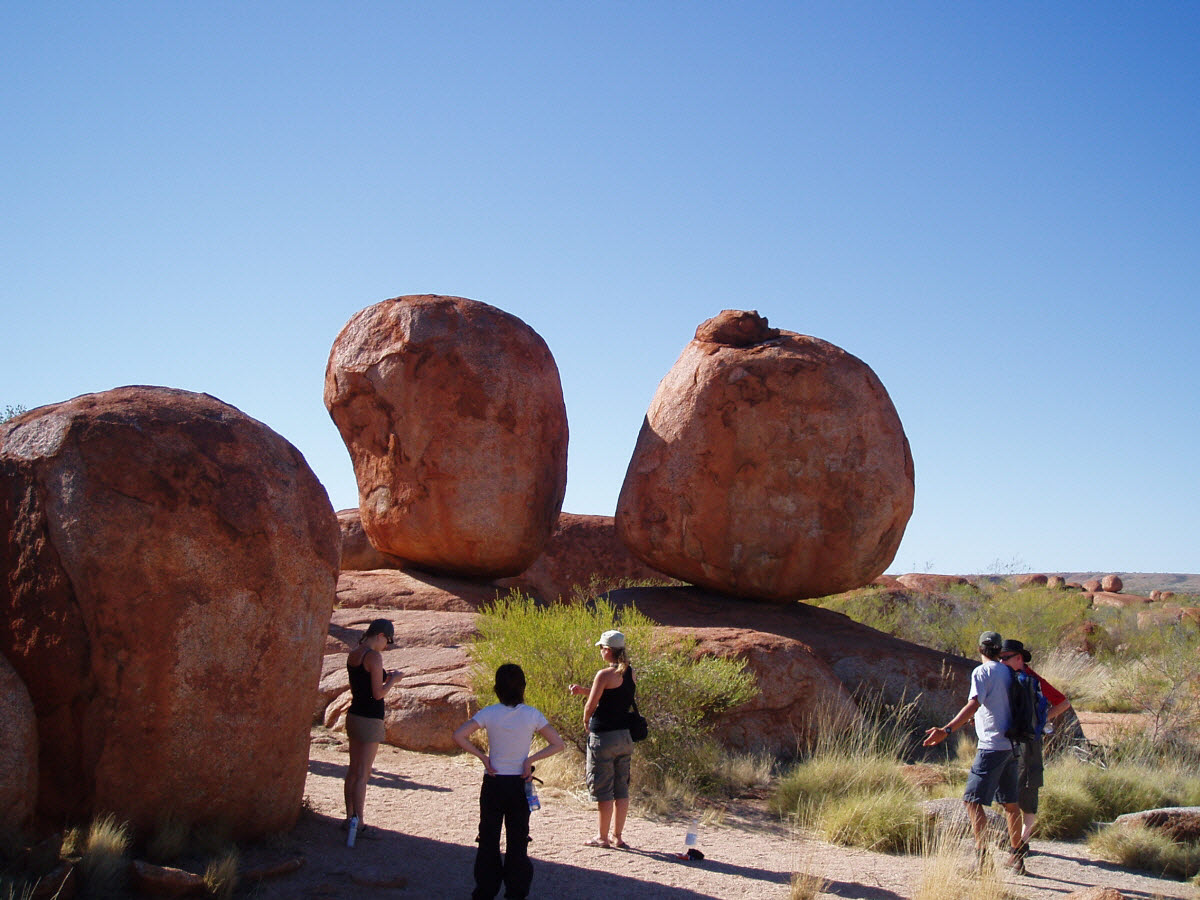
612 712
362 700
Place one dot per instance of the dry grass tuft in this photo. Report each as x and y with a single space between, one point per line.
221 875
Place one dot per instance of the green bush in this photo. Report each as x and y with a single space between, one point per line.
679 692
1139 847
886 821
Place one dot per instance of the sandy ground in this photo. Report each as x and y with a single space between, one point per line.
424 809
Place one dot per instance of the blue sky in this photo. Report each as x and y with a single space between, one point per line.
993 205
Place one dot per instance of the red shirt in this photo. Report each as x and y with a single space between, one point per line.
1052 694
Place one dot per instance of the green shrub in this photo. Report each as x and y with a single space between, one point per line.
680 692
1066 808
1139 847
886 821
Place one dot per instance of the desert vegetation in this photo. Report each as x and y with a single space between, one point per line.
1099 658
679 693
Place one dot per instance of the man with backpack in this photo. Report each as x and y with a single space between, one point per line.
993 774
1035 702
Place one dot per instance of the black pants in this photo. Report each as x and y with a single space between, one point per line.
502 801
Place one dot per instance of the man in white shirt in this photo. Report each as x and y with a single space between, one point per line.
993 774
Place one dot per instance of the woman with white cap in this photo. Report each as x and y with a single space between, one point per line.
609 748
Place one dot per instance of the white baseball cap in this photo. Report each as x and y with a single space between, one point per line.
612 639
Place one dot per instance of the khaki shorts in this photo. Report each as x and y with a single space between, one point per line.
609 754
365 730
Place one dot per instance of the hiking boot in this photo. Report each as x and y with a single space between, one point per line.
1016 861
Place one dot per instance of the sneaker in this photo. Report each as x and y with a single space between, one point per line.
1016 861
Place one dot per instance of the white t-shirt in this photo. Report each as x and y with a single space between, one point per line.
989 684
510 730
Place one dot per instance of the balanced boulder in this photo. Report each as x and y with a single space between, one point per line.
169 570
453 414
771 465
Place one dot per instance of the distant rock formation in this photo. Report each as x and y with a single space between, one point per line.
453 414
1030 580
771 465
929 583
169 567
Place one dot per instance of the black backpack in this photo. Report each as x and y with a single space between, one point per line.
1027 704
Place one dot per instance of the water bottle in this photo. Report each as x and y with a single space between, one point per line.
352 831
531 796
692 835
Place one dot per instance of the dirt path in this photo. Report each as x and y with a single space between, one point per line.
425 810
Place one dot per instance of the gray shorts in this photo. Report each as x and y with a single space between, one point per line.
365 730
608 756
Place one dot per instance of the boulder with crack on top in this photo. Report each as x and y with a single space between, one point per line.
771 465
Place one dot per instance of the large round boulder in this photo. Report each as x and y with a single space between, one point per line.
169 570
770 465
18 750
453 414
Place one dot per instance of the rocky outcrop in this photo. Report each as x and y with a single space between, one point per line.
1112 584
453 414
1030 580
357 552
803 658
1056 582
1092 585
18 750
771 465
930 584
815 642
583 553
1179 823
432 699
168 561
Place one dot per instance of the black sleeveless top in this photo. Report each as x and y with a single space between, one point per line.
362 701
612 712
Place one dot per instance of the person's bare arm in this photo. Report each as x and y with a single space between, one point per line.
935 736
462 737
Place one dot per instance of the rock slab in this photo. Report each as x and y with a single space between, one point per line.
771 465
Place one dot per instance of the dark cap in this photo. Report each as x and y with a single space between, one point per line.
991 640
381 626
1011 646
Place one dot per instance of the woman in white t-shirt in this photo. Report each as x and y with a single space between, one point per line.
510 726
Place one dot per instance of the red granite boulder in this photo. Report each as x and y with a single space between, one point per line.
1056 582
771 465
18 750
1112 583
169 572
453 414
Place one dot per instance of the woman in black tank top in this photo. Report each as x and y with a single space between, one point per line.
369 684
610 747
